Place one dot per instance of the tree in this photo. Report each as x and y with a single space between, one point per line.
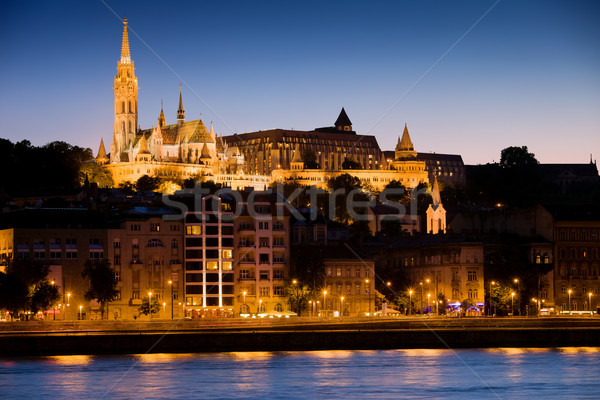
298 295
102 282
44 297
514 156
18 286
95 174
310 160
149 307
147 183
396 191
348 184
14 294
349 163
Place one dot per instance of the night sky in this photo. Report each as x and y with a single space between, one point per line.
527 73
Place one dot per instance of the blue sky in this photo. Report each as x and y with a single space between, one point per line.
528 73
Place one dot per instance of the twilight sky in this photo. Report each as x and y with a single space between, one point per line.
528 73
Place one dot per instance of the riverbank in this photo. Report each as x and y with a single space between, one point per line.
277 335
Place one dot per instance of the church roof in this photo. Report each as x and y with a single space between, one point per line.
343 119
190 131
205 153
143 145
297 157
101 152
405 143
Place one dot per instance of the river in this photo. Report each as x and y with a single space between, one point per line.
507 373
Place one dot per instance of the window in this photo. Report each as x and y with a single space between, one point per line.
278 241
96 254
195 230
278 274
135 227
117 277
328 271
367 288
244 274
338 271
264 291
278 225
278 307
227 254
277 290
55 255
263 242
264 275
348 289
174 228
117 260
357 273
174 244
476 259
72 241
227 266
471 276
357 288
348 272
154 227
263 258
154 243
263 225
117 243
71 255
94 241
212 265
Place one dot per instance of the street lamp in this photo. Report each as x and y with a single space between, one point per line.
150 304
53 308
512 304
311 306
410 302
68 303
491 283
324 303
421 300
259 306
570 301
341 307
428 296
80 313
244 294
590 301
295 282
172 300
369 293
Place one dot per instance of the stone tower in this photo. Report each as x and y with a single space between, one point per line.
126 102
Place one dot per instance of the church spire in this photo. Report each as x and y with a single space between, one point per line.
437 199
405 148
161 119
101 158
125 55
180 110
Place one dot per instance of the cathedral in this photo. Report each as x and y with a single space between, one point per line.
188 149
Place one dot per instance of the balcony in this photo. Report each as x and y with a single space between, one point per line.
246 228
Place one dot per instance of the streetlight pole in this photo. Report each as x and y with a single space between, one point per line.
512 304
80 313
570 301
410 302
428 297
150 304
53 308
590 301
295 282
324 303
421 300
68 302
341 307
311 306
244 294
172 300
369 294
490 308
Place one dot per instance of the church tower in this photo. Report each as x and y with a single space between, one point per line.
126 102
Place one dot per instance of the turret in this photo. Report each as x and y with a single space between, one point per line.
180 110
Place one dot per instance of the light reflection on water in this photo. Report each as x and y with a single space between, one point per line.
460 374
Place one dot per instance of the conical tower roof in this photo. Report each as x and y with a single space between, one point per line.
343 120
143 146
405 144
205 153
125 55
297 157
101 157
437 199
161 118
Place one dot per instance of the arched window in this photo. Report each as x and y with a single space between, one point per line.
122 107
154 243
262 309
546 259
244 309
130 108
130 130
123 127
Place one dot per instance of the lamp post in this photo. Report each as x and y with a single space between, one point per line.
324 303
512 304
369 294
259 307
421 300
244 294
311 306
80 313
317 307
570 301
150 304
410 302
590 301
172 300
53 308
428 297
341 307
490 308
68 302
295 282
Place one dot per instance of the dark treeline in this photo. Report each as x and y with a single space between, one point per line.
31 170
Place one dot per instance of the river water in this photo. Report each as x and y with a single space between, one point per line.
564 373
